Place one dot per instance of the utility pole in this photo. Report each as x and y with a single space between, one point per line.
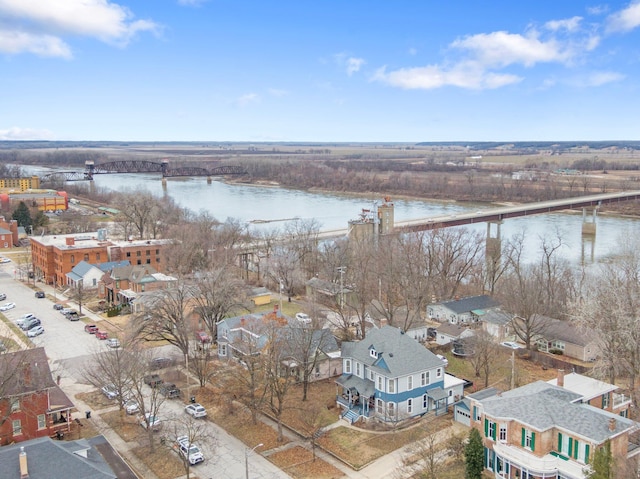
341 270
246 459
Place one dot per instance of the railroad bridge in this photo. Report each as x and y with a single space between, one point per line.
141 166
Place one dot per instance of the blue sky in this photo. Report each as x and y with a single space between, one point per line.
350 70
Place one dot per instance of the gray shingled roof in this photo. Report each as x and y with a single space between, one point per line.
556 329
399 354
32 372
471 303
543 406
495 316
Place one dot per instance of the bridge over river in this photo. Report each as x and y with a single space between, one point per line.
497 215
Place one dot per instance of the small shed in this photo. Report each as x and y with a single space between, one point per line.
260 296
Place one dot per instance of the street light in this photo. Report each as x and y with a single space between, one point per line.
246 459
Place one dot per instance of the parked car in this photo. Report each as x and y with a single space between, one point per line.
40 294
153 380
35 331
101 334
203 337
170 390
303 318
31 323
58 306
4 260
73 316
91 328
444 359
22 320
159 363
149 420
64 311
7 306
3 296
195 410
110 391
189 450
131 406
510 345
113 343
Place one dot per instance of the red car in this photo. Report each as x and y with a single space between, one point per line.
91 328
203 337
101 334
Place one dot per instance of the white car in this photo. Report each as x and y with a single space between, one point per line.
511 345
131 406
110 391
113 343
303 318
7 306
35 331
189 450
444 359
4 260
196 410
149 420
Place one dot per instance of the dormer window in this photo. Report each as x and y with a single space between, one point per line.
373 353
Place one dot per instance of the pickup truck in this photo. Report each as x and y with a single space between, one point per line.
91 328
153 380
170 391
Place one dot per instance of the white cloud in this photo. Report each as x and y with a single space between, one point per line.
248 98
191 3
101 19
625 20
568 24
16 133
354 65
14 42
413 51
603 78
597 9
433 76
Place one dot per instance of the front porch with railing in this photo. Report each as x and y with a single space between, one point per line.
354 410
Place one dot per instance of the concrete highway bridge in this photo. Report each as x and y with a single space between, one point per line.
140 166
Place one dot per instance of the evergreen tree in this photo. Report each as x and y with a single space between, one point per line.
603 463
22 215
474 456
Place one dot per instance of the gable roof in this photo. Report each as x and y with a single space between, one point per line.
469 304
543 406
556 329
25 371
46 458
397 353
497 317
451 330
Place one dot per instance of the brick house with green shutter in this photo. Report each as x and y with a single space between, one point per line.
544 431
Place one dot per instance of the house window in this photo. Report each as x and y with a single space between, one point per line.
380 383
605 401
148 253
42 421
392 385
95 282
138 253
379 406
371 374
424 378
357 369
425 401
86 256
558 345
17 427
372 353
97 256
528 439
409 406
222 349
409 383
73 259
317 371
489 429
503 432
438 372
15 404
347 366
128 254
391 409
157 251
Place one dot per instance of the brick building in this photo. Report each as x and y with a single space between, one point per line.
8 233
55 256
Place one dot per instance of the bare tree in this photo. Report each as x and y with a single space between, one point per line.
305 346
191 432
485 354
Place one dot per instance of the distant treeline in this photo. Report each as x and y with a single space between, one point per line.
537 145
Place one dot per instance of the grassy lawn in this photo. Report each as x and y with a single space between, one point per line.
298 462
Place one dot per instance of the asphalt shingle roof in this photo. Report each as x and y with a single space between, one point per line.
471 303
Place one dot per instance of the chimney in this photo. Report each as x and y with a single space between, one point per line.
70 241
383 322
560 381
24 470
612 424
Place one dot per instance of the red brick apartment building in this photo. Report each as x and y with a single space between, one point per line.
8 233
31 403
55 256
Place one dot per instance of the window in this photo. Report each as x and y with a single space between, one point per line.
148 253
409 383
86 256
425 401
138 253
357 369
42 421
148 261
409 406
379 406
528 439
392 385
424 378
222 349
380 383
97 256
391 409
489 429
128 254
317 371
17 427
73 258
95 282
373 353
605 401
371 374
438 372
503 432
557 345
15 404
347 366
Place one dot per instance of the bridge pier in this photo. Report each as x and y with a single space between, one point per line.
589 224
493 254
209 180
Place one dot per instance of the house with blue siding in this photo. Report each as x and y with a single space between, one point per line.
390 376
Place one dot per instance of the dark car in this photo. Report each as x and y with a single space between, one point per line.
72 316
40 294
31 323
170 390
58 306
159 363
153 380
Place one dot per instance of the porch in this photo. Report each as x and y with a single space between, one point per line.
356 397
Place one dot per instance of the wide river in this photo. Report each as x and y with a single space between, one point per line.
333 211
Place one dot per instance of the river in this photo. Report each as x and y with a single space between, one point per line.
272 206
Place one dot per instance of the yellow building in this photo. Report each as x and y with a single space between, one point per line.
23 184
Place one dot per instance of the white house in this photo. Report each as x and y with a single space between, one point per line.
465 310
390 376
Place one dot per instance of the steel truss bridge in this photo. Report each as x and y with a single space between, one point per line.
139 166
